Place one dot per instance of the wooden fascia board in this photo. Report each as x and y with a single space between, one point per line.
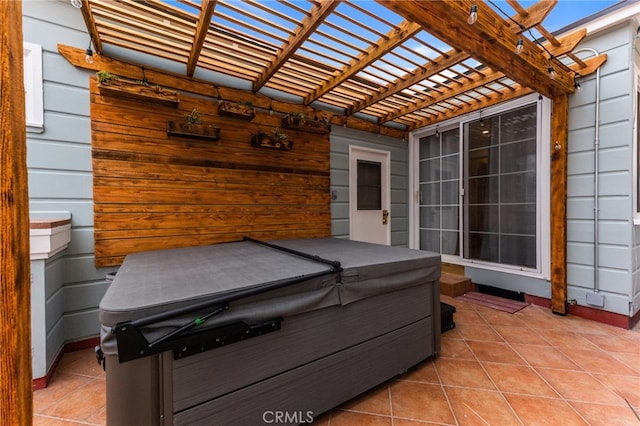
490 40
308 26
91 26
428 70
395 37
202 27
446 94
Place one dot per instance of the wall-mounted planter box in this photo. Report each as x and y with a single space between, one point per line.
139 92
263 140
202 131
305 124
236 110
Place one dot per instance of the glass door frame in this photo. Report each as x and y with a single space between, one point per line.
543 171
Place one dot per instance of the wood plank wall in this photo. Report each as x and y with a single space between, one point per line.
153 191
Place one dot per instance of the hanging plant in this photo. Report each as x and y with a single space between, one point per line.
193 127
242 111
276 140
114 86
301 121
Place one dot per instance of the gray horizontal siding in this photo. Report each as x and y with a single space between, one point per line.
59 163
615 169
341 139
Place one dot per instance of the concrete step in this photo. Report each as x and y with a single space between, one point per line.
454 285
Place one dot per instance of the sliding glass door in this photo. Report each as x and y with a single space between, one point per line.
483 187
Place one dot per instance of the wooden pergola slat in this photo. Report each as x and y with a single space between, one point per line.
306 28
202 28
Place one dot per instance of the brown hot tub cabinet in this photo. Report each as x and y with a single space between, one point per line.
238 333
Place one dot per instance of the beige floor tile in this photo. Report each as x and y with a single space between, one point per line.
479 332
423 372
519 379
580 386
495 352
455 348
420 401
606 415
480 407
348 418
544 356
520 334
628 387
458 372
597 361
537 411
375 401
81 403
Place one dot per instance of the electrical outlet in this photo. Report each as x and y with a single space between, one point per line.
595 299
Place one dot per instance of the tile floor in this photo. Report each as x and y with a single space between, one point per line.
531 368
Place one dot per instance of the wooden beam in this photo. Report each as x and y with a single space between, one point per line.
90 23
308 25
202 27
533 15
558 211
442 63
394 38
490 40
444 95
590 65
567 43
16 399
497 98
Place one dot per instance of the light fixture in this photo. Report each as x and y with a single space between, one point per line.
577 86
76 3
552 72
89 56
519 46
144 80
473 15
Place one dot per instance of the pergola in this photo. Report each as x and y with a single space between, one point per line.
400 63
416 64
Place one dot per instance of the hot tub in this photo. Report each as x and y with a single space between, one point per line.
247 333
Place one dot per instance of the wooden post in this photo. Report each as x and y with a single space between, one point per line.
558 213
16 401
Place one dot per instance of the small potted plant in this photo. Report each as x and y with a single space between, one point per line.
301 121
140 90
240 110
193 127
277 140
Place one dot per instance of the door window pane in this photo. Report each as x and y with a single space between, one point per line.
501 188
369 185
439 192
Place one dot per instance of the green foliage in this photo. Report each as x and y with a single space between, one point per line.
106 77
277 134
193 117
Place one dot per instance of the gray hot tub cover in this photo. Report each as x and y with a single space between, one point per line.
154 282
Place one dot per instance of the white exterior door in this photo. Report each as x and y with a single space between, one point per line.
369 195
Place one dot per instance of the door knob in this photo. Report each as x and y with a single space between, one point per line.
385 217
